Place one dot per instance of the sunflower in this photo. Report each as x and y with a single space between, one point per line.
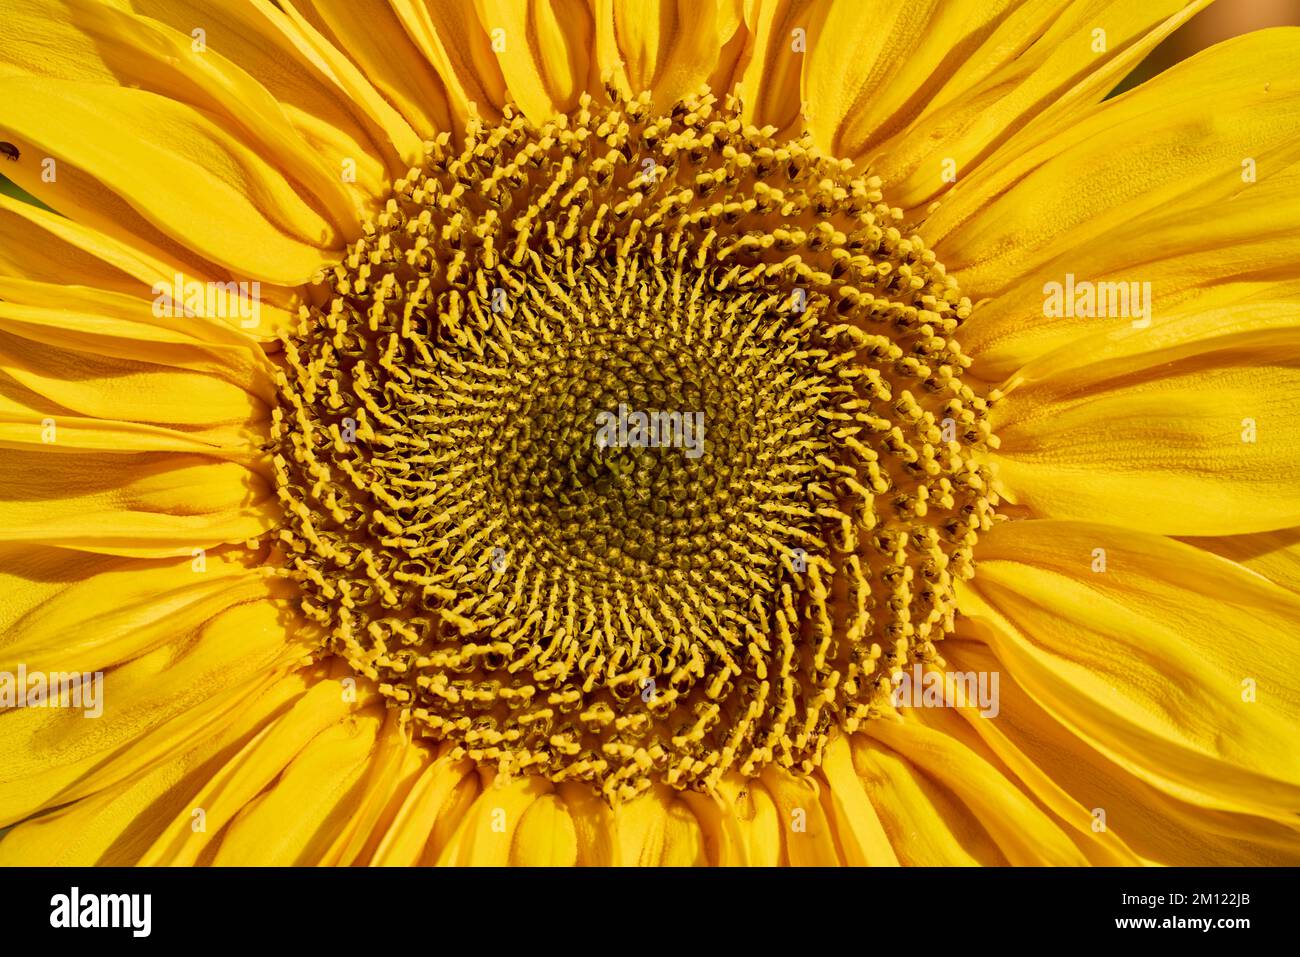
943 508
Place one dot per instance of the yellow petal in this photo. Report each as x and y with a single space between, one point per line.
32 574
466 789
393 769
657 829
1142 163
758 819
24 428
154 707
593 823
119 610
546 60
179 170
1275 555
939 744
1240 318
1197 261
147 504
683 839
49 261
247 773
372 35
669 47
315 48
327 103
1115 817
724 843
125 327
926 824
860 832
39 245
453 40
91 41
116 826
771 81
855 79
1089 833
77 383
640 828
408 837
733 36
297 819
546 836
57 183
486 833
809 837
1165 429
955 82
1174 663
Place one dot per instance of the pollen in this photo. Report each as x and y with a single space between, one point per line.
553 601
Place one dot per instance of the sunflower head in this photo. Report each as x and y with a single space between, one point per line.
486 432
559 597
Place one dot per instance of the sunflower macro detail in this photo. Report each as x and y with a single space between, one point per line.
612 614
738 432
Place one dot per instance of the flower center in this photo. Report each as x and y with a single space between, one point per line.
632 447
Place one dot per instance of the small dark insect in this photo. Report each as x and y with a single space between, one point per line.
9 150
